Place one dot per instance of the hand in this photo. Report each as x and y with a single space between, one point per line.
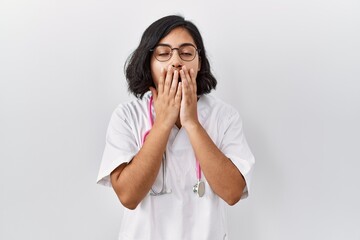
167 97
188 110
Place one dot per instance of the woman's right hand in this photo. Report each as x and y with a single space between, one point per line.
167 98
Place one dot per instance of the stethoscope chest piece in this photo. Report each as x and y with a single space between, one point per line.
199 188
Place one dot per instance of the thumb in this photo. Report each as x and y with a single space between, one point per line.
153 92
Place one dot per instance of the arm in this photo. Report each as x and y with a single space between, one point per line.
133 181
222 175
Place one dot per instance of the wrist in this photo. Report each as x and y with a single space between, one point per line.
191 126
162 126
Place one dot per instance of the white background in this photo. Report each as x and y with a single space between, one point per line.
291 68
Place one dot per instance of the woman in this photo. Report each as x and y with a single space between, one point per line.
175 156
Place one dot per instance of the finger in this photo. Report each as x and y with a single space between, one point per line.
185 88
160 86
168 79
193 79
174 84
178 93
183 79
154 93
189 79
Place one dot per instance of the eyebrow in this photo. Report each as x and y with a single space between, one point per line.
181 45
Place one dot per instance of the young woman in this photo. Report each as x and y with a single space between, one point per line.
175 156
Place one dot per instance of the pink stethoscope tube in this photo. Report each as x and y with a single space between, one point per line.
198 168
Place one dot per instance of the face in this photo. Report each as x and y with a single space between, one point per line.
176 38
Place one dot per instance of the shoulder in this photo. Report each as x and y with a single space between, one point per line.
130 113
133 108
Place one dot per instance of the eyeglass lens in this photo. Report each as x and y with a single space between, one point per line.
164 53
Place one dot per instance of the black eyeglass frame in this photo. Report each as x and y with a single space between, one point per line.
197 50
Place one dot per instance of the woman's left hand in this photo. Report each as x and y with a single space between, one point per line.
188 109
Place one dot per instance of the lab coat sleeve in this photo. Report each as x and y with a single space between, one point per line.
235 147
120 146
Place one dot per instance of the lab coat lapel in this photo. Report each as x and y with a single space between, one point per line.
203 110
181 140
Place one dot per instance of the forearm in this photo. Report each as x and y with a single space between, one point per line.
133 181
222 175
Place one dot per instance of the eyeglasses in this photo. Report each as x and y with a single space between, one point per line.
163 52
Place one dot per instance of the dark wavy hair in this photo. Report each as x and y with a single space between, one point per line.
137 67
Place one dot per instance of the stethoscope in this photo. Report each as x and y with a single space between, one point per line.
198 188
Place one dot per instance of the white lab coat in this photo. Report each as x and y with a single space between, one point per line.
180 214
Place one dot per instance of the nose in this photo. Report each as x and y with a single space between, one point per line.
176 61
